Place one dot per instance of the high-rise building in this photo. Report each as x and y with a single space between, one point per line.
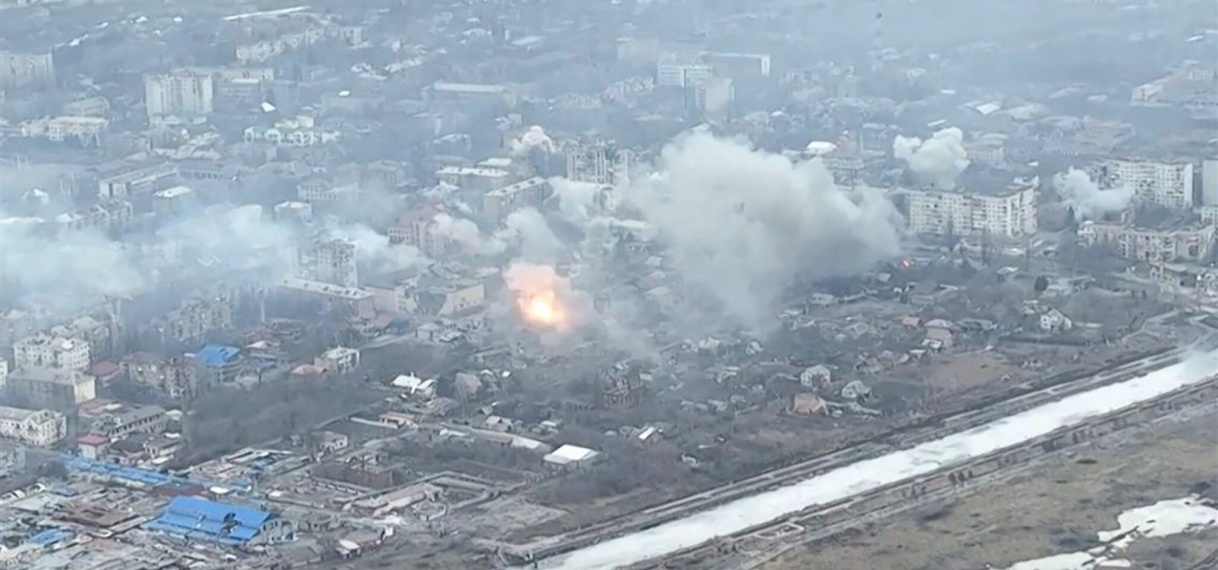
329 260
600 162
181 92
673 72
1168 184
1209 182
26 69
1010 212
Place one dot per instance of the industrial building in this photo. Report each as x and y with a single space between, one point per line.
1006 213
34 428
195 518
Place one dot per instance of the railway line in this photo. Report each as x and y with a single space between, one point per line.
750 548
1014 400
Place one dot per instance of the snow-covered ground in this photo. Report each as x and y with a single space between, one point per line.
871 474
1159 520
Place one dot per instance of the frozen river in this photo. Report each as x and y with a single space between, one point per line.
870 474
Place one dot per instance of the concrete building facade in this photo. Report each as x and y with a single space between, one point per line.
1187 242
181 92
45 351
34 428
1010 213
1168 184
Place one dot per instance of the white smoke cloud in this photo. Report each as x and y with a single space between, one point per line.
577 201
532 138
467 236
536 241
374 250
741 224
1089 202
938 160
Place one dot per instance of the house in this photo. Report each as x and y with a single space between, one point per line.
570 456
416 386
146 419
338 360
856 391
808 404
938 339
815 376
92 445
1053 320
199 519
220 363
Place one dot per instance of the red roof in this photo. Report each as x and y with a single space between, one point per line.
104 368
92 439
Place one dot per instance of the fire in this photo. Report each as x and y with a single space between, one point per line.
542 309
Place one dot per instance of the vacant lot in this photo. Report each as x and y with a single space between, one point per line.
1053 511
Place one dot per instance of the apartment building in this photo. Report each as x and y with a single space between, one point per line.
329 260
175 378
420 229
1169 184
18 69
1008 213
600 162
498 203
50 388
1177 242
674 72
33 428
46 351
179 92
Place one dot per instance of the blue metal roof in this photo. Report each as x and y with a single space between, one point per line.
50 536
217 355
198 518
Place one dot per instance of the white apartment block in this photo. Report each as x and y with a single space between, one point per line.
1168 184
672 72
3 374
1209 182
84 129
34 428
179 92
1191 242
45 351
1009 214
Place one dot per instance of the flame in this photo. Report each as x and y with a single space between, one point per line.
543 309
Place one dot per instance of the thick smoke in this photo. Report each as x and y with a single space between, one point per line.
532 138
80 267
743 223
1089 202
535 239
938 160
64 270
467 236
577 201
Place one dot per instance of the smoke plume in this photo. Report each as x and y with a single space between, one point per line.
1085 197
741 224
535 239
532 138
467 236
577 201
938 160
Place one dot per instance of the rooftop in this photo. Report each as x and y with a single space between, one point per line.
217 355
194 517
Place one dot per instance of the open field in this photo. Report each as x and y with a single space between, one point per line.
1055 509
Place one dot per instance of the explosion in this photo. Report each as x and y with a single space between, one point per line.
542 308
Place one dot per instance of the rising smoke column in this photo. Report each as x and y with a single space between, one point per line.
938 160
466 235
1085 197
741 224
533 138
